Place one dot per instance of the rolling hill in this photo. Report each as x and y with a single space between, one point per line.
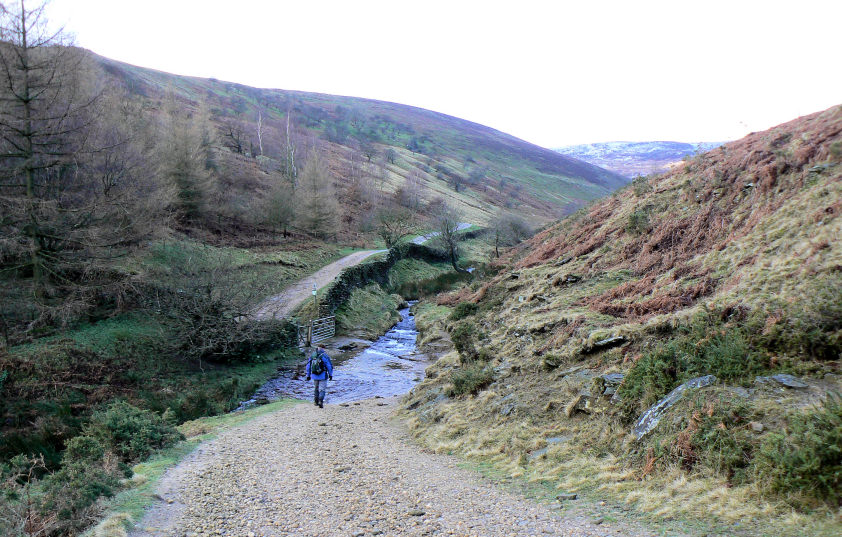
474 167
632 159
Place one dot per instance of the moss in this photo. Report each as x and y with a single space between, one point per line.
370 312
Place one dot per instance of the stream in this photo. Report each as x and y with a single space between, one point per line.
388 367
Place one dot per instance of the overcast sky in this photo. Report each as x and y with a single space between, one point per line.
551 72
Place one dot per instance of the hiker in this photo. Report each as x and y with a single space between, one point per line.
320 369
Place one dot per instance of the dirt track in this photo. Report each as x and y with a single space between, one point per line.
345 470
282 304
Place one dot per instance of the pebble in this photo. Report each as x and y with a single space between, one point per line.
274 476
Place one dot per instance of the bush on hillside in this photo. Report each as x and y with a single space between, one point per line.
638 222
705 347
462 310
812 327
88 472
806 457
131 433
471 379
462 335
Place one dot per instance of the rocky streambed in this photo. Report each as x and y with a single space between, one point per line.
362 369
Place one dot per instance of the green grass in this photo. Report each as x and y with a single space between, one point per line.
370 312
127 508
413 270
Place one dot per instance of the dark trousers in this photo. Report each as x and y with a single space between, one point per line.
319 389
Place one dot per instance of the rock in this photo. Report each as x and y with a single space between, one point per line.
514 275
508 409
567 496
558 439
739 391
565 261
570 371
613 379
417 512
581 403
603 344
538 453
572 278
756 426
348 347
789 381
650 419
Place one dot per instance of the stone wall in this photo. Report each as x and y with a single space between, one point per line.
375 272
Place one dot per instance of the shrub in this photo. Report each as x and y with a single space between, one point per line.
462 310
638 223
131 433
462 336
471 379
88 472
807 456
811 327
722 441
641 186
705 347
19 503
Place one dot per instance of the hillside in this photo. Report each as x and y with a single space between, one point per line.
631 159
473 167
728 266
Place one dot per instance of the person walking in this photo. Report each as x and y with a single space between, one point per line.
320 369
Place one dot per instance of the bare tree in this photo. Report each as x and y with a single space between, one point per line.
391 155
260 131
508 230
395 223
368 149
210 302
446 222
289 164
234 135
411 193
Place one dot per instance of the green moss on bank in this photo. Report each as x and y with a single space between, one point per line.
369 313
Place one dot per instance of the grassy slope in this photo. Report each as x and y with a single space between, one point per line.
56 381
748 232
539 183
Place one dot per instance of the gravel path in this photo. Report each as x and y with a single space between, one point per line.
282 304
345 470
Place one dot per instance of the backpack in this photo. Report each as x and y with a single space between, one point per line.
317 364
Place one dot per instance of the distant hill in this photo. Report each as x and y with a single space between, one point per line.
474 167
631 159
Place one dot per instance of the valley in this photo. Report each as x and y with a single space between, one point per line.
629 338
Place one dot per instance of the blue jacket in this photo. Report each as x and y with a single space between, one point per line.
324 374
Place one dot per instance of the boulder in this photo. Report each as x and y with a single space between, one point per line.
580 403
603 344
650 419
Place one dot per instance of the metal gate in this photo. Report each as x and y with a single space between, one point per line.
315 331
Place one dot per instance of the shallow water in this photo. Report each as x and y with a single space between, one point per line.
390 366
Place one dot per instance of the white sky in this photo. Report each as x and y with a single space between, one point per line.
551 72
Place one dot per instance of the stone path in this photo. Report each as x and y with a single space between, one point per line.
345 471
282 304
